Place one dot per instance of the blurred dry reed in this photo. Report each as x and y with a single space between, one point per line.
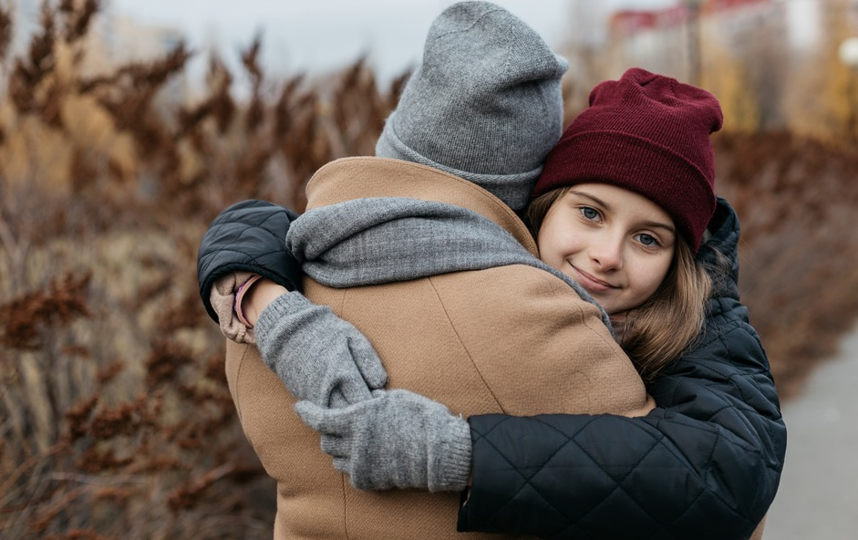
115 418
796 198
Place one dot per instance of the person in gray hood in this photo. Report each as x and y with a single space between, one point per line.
485 109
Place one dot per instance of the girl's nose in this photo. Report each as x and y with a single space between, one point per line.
608 254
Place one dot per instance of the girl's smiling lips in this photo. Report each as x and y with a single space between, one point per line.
591 282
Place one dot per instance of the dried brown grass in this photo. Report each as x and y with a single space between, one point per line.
115 417
796 198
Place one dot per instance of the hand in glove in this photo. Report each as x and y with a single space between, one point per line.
319 357
396 439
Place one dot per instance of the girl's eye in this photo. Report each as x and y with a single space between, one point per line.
589 213
647 240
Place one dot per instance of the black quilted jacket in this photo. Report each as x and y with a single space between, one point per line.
247 237
705 464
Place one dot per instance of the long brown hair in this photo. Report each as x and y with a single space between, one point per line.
669 321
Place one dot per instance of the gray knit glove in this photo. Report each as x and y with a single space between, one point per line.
398 439
318 356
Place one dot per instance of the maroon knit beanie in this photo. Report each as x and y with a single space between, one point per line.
647 133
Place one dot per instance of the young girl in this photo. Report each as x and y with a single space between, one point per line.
641 150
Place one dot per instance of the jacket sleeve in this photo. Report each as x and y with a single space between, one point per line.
705 464
247 237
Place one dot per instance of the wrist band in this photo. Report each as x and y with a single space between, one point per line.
239 297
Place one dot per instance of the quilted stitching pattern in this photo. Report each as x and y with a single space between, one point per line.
247 236
702 501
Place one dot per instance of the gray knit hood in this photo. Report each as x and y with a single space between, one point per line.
485 104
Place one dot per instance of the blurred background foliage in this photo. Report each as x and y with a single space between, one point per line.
115 419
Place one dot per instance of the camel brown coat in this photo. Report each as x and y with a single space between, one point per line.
512 339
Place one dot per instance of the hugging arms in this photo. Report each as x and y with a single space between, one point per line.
705 463
424 255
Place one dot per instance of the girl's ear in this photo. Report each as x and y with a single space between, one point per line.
539 208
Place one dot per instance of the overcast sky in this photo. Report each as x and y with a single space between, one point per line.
322 35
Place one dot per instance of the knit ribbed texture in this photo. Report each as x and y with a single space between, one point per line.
485 104
649 134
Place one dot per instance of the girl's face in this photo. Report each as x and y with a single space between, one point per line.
616 244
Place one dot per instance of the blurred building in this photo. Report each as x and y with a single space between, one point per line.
673 40
660 38
764 45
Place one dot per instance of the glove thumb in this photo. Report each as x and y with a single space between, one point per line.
368 362
323 420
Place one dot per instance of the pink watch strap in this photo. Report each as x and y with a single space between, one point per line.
239 297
